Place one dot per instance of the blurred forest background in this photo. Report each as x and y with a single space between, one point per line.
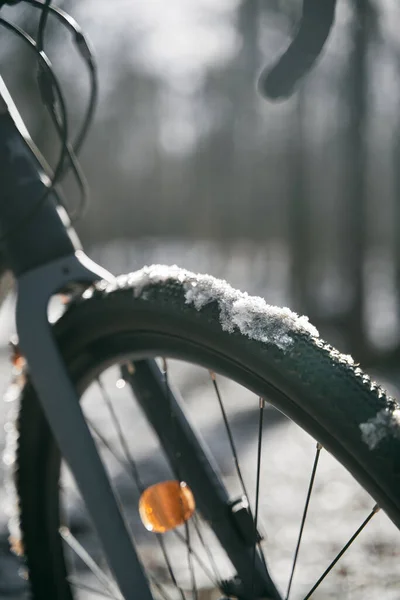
297 201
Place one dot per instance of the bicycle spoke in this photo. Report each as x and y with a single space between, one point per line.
111 449
343 550
303 520
88 588
234 452
260 430
200 562
88 560
229 432
169 566
66 522
121 437
160 588
207 550
175 466
190 562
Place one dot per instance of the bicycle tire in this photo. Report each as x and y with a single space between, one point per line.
156 309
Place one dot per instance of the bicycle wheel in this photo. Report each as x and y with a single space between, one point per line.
270 354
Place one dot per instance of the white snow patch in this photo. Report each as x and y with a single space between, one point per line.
386 422
250 314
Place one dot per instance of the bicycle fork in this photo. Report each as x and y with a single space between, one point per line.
60 403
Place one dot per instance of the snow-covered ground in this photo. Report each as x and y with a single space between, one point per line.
368 571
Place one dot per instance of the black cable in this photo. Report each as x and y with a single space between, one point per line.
70 150
73 150
72 162
42 25
48 95
83 47
48 91
94 91
78 173
48 98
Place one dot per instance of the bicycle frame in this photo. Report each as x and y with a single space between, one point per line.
44 253
45 256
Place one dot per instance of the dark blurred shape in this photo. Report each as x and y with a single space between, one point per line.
280 81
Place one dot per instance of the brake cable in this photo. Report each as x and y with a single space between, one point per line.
83 47
51 95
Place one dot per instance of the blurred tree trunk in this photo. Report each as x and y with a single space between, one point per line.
299 212
244 116
396 220
356 160
396 175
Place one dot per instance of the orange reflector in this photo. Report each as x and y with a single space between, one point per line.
16 545
18 361
166 505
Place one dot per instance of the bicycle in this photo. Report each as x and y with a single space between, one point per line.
130 321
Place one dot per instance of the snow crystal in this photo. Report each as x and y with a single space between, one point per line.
386 422
252 316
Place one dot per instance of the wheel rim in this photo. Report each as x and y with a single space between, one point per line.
281 565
